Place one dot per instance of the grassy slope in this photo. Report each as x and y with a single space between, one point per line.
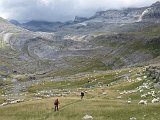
101 107
75 109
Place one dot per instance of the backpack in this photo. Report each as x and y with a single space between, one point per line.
82 93
56 102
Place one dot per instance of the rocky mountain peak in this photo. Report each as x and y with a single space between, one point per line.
3 20
15 22
110 13
156 4
152 13
80 19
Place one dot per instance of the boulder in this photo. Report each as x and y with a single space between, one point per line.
87 117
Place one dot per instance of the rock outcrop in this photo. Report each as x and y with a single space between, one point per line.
78 19
152 13
153 72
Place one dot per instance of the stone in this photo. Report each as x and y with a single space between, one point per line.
87 117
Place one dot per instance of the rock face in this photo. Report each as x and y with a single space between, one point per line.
154 73
80 19
78 46
152 13
42 26
129 15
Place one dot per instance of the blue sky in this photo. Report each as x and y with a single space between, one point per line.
61 10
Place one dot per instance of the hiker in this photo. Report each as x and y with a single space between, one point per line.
56 102
82 94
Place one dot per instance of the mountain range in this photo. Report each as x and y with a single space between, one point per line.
108 40
125 16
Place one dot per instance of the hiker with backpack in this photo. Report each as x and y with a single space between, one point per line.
82 95
56 103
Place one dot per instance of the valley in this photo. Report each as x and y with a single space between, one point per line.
113 56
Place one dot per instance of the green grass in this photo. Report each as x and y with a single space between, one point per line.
131 86
21 78
2 44
1 99
82 83
79 65
151 30
152 46
101 107
75 109
102 40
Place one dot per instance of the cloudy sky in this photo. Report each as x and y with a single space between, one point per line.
61 10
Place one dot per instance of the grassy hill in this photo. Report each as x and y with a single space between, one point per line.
106 98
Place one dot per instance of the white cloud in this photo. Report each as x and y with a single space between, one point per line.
54 10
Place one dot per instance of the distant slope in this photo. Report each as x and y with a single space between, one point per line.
82 46
107 20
